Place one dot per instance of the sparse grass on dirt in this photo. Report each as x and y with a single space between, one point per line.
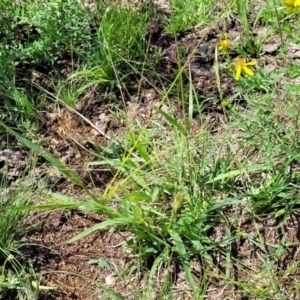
17 276
168 135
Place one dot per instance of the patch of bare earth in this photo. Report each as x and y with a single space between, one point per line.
66 267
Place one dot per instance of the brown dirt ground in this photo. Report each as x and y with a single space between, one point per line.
65 266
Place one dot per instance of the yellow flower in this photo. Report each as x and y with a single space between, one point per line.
292 5
223 44
242 67
224 103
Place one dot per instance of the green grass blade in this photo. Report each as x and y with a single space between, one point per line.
103 225
51 159
253 168
179 246
172 120
154 267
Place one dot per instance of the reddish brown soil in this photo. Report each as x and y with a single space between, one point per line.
65 267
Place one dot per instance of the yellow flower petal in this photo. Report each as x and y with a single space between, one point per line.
248 71
221 47
223 44
238 72
289 2
250 63
292 5
224 103
242 67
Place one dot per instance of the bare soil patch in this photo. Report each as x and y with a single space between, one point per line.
65 267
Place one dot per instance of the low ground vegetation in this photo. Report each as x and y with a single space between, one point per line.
149 150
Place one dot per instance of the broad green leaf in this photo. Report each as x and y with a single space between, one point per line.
138 196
